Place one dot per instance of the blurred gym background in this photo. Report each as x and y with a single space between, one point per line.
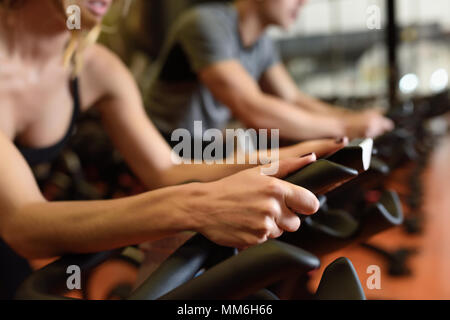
334 55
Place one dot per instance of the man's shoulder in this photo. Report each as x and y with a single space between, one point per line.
266 40
207 15
214 7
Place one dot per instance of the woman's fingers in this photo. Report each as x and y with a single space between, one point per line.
300 200
287 166
293 199
288 220
276 230
323 147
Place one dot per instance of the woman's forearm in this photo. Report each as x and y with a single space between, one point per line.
206 172
210 172
233 164
48 229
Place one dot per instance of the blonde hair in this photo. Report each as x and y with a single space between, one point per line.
79 39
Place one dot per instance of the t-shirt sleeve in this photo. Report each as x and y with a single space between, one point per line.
205 38
270 54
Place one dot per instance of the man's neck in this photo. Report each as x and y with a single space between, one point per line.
251 26
35 31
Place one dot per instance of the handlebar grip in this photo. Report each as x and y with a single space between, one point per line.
40 284
384 214
322 176
340 282
334 230
246 273
357 155
179 268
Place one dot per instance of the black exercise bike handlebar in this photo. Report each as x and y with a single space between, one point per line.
325 175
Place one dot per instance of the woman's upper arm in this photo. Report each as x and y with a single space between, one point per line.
17 184
125 119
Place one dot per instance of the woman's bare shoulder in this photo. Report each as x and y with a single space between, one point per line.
101 61
104 70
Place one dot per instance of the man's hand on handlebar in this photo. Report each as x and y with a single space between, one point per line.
367 124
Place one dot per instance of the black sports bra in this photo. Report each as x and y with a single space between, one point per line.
36 156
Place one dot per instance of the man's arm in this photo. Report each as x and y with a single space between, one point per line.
207 42
230 83
370 122
278 82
